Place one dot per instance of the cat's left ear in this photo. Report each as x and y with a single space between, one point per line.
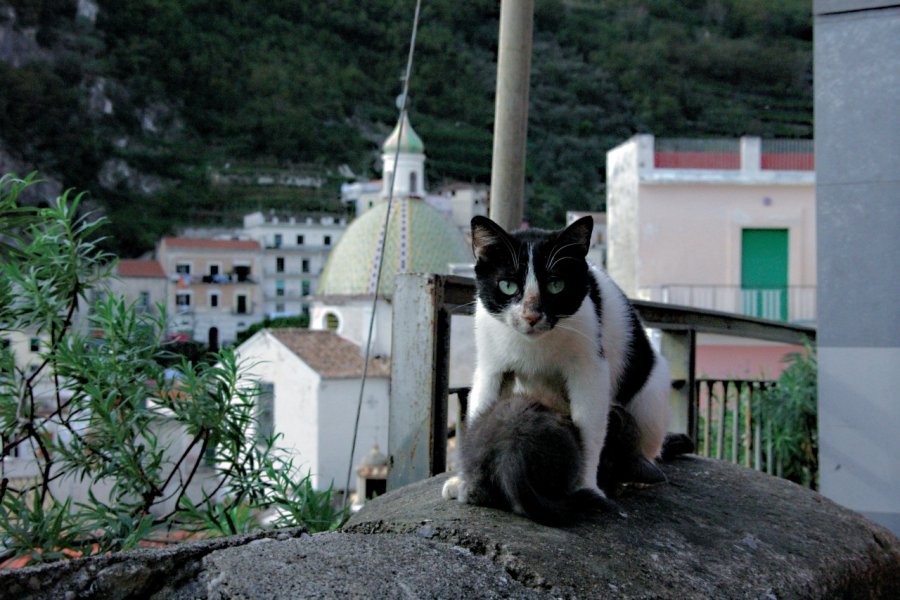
579 234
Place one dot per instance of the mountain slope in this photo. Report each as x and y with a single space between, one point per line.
146 103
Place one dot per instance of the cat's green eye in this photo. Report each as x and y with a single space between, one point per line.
508 287
555 286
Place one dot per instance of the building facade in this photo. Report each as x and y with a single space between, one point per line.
727 225
214 287
294 251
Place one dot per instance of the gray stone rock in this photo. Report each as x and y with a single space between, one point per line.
341 565
714 531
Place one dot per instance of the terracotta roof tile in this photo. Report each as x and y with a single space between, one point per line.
330 355
140 268
177 242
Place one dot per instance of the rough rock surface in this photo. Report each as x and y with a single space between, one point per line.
714 531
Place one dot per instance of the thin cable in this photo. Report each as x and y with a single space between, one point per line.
384 232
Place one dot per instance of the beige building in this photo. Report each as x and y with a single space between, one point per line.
728 225
142 282
214 289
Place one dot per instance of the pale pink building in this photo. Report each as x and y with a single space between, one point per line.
727 225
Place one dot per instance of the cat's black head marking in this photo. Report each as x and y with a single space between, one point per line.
531 278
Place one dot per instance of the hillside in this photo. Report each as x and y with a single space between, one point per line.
148 103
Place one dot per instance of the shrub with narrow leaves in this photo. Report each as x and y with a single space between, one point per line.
157 443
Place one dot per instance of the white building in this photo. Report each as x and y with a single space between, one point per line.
294 251
310 382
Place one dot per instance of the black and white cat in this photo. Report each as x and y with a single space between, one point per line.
549 325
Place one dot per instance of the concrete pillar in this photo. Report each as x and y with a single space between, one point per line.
857 92
751 154
511 112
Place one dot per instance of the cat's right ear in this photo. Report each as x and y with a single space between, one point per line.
485 235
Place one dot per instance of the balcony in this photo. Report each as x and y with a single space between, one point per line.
794 304
417 441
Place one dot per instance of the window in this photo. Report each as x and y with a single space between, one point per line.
35 344
144 300
278 240
242 272
412 183
304 287
279 287
299 240
183 268
214 269
241 306
279 264
332 322
304 266
214 300
327 240
183 300
279 308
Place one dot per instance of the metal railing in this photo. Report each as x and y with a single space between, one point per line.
420 357
689 153
795 303
726 154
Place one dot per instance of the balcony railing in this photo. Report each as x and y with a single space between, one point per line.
417 434
792 303
732 154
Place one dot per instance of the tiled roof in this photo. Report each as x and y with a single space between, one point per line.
140 268
330 355
177 242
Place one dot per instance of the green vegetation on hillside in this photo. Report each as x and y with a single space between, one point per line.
197 84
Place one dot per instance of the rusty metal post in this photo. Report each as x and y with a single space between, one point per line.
420 366
511 112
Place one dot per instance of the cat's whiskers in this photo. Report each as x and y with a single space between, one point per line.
575 331
512 251
559 260
459 308
557 250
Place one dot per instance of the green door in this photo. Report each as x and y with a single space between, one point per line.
764 273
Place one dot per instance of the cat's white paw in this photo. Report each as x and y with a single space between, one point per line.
452 488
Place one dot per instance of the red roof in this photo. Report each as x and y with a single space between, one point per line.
140 268
176 242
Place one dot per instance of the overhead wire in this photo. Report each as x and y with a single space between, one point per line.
404 99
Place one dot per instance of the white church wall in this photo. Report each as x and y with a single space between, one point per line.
337 411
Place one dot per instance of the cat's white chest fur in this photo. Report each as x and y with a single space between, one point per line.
573 343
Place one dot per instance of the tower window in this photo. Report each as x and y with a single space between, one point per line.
413 180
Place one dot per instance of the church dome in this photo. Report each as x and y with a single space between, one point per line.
420 240
409 142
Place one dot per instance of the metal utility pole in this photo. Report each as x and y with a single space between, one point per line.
511 112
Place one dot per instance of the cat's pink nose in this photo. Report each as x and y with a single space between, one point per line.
531 318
